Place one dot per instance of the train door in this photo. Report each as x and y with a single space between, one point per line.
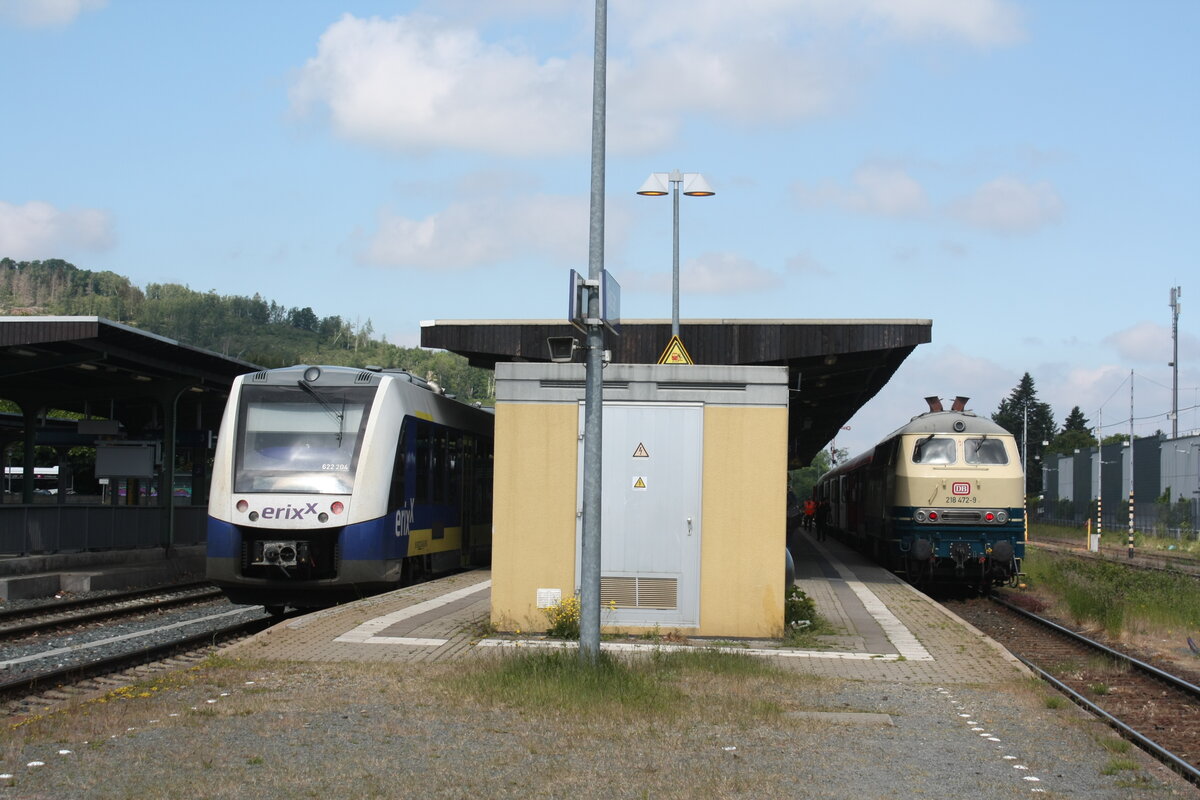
650 513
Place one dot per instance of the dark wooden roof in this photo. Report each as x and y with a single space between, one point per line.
837 365
109 369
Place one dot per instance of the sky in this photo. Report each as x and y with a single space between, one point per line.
1024 173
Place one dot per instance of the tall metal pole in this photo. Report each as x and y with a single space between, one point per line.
1025 469
676 181
1129 541
1176 291
589 557
1099 479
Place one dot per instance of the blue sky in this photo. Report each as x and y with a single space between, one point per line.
1025 174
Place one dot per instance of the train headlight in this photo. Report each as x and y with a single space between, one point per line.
933 516
337 507
242 505
254 516
1002 517
989 517
322 517
311 374
919 515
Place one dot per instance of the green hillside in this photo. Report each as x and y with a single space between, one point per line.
251 328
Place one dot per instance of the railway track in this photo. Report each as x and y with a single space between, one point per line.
57 614
1142 559
52 652
1145 703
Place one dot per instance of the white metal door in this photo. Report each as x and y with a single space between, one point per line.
650 513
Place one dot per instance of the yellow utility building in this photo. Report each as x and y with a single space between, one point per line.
693 509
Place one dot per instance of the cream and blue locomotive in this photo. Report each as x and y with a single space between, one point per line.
940 500
332 483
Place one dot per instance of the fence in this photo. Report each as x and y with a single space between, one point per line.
47 529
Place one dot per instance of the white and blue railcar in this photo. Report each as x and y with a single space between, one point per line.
939 500
331 483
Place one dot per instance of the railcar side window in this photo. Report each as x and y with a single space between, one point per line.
986 451
934 450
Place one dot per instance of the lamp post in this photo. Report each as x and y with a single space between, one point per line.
694 185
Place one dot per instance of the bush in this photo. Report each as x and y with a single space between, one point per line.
564 618
798 607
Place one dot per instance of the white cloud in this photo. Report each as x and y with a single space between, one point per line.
805 264
877 189
415 83
1008 205
1150 343
711 273
38 230
985 23
46 13
489 230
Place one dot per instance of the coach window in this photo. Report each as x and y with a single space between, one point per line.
933 450
439 466
986 451
424 445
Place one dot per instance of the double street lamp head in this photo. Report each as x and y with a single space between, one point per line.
659 184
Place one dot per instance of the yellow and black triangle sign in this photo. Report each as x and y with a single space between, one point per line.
675 353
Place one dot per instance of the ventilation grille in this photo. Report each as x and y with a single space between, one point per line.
259 376
363 377
638 592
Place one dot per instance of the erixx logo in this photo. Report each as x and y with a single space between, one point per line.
289 511
960 488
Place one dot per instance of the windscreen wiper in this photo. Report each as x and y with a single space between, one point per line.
333 412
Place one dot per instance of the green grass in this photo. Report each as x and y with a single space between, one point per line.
559 680
1114 596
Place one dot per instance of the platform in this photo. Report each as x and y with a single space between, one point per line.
33 577
887 630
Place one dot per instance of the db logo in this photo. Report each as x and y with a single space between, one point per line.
960 488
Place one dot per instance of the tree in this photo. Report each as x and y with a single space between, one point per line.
1032 422
1076 434
1076 421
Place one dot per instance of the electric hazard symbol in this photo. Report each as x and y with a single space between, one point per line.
639 483
641 451
675 353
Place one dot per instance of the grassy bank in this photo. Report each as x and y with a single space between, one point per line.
1114 597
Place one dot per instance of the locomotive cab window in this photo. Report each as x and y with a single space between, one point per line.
934 450
300 441
985 451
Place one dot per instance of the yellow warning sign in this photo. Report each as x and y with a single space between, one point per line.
675 353
641 451
639 483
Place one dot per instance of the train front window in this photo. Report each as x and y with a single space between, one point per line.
986 451
300 438
934 450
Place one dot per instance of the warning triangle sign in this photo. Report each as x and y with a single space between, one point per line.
641 451
675 353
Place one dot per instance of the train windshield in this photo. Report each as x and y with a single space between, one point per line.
300 438
986 451
934 450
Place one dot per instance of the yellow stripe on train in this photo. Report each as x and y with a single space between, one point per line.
422 542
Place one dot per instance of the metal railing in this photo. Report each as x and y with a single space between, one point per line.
42 529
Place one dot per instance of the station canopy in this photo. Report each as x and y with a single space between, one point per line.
834 365
103 368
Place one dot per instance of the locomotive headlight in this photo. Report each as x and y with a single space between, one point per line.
242 505
919 515
1001 517
322 517
254 516
337 507
311 374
